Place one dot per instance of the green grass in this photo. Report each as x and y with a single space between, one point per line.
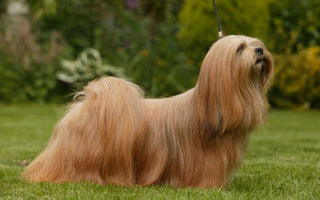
282 162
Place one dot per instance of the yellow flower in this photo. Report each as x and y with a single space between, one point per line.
145 52
160 62
27 88
190 61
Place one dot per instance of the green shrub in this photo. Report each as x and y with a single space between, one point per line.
162 68
297 79
198 25
27 68
294 24
87 67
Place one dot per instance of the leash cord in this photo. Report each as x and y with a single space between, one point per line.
217 18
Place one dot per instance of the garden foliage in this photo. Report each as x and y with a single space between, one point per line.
88 66
297 79
198 29
27 66
158 45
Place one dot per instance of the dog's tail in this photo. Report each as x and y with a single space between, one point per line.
101 121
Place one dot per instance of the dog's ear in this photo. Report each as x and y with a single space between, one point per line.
215 95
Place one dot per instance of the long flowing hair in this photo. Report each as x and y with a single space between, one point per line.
112 134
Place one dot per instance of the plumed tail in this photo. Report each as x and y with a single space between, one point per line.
101 121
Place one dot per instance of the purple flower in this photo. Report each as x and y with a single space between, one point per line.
133 4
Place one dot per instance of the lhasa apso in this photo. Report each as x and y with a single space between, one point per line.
113 135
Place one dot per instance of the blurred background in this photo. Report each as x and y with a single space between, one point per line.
49 48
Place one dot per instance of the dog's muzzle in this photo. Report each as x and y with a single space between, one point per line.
261 59
259 51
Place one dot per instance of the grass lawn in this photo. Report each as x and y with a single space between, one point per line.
282 162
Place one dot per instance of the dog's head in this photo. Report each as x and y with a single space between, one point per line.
234 77
239 60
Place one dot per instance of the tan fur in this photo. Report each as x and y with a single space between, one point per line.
112 135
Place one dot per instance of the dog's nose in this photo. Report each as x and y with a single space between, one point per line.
259 51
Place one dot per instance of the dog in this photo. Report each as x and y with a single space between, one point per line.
111 134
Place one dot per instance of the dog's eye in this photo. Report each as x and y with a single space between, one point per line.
240 48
